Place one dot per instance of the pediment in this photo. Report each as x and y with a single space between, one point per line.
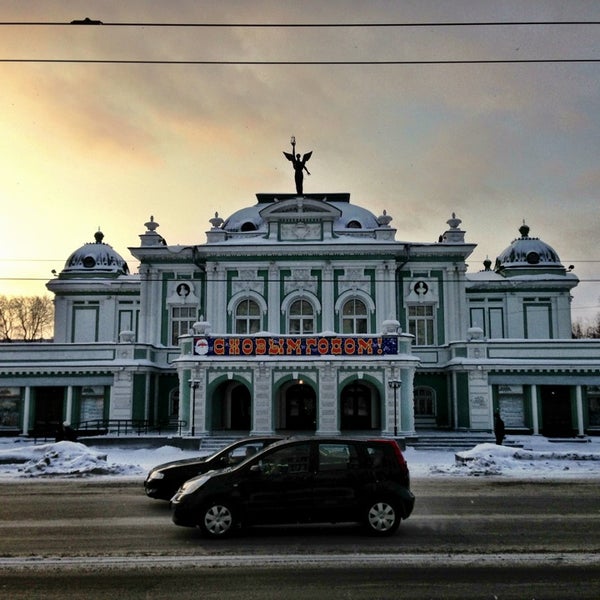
300 209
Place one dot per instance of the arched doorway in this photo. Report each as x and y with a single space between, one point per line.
298 407
360 407
231 407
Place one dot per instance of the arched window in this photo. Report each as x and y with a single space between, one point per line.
248 226
354 317
301 318
247 317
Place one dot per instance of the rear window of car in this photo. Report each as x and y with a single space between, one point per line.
381 456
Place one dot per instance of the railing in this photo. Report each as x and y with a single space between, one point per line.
117 426
127 426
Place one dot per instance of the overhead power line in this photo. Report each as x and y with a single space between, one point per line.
91 22
297 62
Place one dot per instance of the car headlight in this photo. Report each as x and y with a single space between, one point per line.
190 486
156 475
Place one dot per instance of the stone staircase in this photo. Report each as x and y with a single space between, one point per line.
212 444
449 440
425 440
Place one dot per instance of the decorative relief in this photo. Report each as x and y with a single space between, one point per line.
300 231
301 279
419 290
182 292
247 280
354 279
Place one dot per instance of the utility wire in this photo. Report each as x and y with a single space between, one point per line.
297 62
87 21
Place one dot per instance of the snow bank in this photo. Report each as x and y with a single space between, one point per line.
60 458
527 457
491 459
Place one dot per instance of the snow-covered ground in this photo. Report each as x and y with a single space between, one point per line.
538 458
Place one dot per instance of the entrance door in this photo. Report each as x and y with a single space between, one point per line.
300 408
232 408
359 408
49 407
241 419
556 411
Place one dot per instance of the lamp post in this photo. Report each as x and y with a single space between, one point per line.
194 387
395 384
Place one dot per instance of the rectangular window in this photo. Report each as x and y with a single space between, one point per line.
593 400
537 322
85 324
421 324
496 323
10 407
92 403
478 318
182 319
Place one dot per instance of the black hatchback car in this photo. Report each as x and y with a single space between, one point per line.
303 480
164 480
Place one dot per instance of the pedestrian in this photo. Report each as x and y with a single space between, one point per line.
498 428
70 433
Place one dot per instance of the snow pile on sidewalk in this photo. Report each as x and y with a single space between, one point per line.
525 457
570 460
60 458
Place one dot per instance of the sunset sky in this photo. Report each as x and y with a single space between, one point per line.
94 145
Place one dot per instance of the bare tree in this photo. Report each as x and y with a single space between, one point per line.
27 318
5 319
587 328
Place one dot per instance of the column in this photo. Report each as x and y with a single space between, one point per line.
273 300
262 406
534 410
26 410
328 301
407 412
69 412
579 401
328 423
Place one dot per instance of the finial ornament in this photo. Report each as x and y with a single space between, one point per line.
299 165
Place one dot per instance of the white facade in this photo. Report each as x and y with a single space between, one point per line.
303 313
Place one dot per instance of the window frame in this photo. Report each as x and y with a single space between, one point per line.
422 326
301 318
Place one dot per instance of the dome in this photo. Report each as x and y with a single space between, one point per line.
528 253
95 258
246 219
351 216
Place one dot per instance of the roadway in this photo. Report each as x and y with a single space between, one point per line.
468 538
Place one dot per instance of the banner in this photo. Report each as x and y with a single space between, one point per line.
295 346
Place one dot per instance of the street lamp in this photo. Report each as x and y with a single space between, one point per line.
194 386
395 384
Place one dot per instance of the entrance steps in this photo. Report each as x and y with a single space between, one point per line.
449 440
212 444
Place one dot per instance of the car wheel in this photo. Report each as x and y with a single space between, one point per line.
218 520
382 518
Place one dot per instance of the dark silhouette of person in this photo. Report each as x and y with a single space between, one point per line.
299 165
65 433
499 430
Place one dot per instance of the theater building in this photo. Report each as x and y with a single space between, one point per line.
305 313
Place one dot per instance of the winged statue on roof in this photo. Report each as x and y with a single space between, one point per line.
299 165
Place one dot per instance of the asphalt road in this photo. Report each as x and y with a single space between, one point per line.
468 538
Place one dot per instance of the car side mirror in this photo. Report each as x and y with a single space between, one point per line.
256 469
